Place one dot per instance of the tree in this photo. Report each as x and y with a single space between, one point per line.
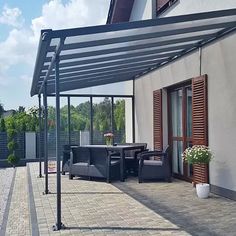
1 110
51 118
119 115
12 145
2 125
21 109
102 115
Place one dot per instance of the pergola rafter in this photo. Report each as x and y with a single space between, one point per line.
85 57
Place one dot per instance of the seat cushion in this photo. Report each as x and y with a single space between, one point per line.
152 163
115 162
80 164
79 169
129 158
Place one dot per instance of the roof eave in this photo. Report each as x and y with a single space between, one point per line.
44 42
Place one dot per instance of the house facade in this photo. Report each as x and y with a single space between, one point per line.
191 100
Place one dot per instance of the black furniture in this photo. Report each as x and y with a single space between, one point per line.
120 150
66 157
154 165
102 165
79 162
131 156
93 162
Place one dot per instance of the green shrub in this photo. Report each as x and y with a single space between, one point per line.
12 159
12 145
11 133
2 125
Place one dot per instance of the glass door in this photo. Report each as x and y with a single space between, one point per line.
180 129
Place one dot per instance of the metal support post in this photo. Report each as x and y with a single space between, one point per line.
45 138
69 119
112 118
39 137
59 224
133 112
91 120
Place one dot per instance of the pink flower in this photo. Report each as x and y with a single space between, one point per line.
110 135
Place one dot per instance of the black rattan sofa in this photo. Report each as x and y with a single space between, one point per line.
93 162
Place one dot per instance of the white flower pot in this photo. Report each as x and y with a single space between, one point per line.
203 190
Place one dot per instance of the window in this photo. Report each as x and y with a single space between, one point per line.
162 5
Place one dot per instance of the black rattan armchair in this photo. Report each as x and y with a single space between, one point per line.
79 162
66 157
154 165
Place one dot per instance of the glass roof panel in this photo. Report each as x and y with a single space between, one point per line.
92 54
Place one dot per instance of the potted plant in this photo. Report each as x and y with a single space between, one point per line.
199 156
109 138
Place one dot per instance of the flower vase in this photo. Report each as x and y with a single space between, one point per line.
109 141
203 190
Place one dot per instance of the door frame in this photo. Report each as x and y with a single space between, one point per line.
184 137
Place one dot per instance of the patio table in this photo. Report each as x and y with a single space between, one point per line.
120 149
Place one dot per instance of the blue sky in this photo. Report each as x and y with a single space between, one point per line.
20 25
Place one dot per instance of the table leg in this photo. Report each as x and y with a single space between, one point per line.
122 166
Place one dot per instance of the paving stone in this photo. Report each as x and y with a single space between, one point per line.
6 176
178 203
97 208
19 216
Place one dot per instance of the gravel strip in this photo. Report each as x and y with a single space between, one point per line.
6 176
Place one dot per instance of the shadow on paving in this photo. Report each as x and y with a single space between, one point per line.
124 228
184 222
89 193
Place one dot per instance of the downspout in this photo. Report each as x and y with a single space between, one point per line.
200 61
154 9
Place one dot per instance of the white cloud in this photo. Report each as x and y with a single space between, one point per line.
21 44
20 47
11 16
75 13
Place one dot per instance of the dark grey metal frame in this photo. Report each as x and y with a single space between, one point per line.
67 75
91 96
59 225
39 138
188 32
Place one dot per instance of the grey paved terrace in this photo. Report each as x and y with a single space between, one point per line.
98 208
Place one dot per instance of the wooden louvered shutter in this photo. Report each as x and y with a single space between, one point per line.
199 111
200 125
157 119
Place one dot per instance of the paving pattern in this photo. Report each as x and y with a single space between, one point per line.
96 208
6 176
19 215
178 203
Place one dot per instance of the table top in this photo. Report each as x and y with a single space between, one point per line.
117 147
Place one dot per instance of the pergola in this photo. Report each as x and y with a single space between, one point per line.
84 57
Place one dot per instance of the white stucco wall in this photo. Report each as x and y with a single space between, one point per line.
192 6
218 62
181 70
